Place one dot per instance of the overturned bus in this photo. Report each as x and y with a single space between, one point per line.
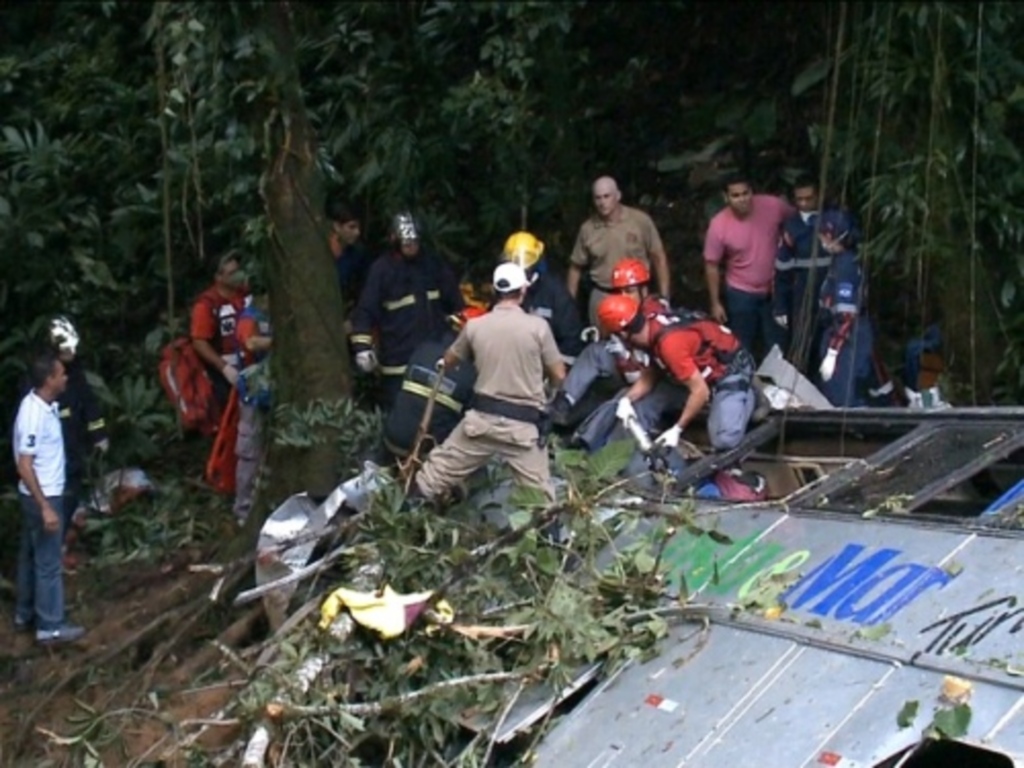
892 547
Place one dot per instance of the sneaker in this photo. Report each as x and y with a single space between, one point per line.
68 633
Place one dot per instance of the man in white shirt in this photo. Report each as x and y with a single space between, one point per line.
39 457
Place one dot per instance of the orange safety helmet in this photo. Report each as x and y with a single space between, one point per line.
619 313
629 273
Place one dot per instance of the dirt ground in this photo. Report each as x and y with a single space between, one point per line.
127 687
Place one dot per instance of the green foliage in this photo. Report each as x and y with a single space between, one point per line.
563 605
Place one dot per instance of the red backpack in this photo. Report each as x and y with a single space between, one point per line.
187 385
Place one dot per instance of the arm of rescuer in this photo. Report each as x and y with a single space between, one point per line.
202 328
27 473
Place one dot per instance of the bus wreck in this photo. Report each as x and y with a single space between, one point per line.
864 616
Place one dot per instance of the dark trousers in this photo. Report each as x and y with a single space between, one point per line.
750 318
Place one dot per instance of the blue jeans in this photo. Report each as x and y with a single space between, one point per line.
750 318
40 578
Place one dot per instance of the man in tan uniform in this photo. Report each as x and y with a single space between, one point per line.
615 232
511 350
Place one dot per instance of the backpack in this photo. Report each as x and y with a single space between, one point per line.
713 336
188 386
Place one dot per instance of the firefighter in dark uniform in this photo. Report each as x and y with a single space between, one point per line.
408 295
548 296
82 423
453 394
512 351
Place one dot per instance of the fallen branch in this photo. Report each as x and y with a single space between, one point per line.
310 570
501 721
282 711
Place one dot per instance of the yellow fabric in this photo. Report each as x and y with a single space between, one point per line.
383 613
433 295
393 370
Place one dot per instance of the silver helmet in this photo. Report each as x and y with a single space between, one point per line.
404 227
63 334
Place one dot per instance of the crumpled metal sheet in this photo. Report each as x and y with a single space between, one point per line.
299 518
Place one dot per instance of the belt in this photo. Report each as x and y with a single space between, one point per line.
497 407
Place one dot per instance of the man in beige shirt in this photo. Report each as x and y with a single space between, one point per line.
512 350
615 232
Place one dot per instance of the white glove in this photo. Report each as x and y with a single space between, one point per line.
782 320
670 437
624 410
366 361
828 365
103 445
616 347
590 334
230 373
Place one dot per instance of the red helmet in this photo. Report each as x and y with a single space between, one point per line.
618 313
629 273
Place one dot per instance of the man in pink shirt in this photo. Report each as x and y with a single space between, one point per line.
745 236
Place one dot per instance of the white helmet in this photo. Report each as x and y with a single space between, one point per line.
63 334
510 277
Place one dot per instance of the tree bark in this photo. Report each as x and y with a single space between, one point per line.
309 361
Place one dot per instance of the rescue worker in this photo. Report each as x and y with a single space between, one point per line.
548 297
408 295
613 360
700 357
800 269
213 323
453 395
511 350
254 340
846 371
83 428
614 231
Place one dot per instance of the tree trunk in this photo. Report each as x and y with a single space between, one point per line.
309 361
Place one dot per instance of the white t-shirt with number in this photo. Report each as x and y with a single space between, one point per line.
37 433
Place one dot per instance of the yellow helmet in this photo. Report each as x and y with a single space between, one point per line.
523 249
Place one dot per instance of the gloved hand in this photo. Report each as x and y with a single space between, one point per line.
230 373
670 437
616 346
828 365
590 334
103 445
366 361
782 320
624 410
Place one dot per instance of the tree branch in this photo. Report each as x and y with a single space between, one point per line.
280 711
